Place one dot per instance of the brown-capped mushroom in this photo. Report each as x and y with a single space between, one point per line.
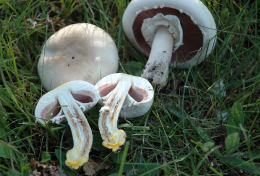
179 31
127 95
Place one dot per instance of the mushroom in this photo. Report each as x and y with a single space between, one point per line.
69 101
179 31
77 52
127 95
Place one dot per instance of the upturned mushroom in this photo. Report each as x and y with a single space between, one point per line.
69 101
179 31
127 95
77 52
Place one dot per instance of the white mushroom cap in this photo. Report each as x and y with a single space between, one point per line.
77 52
69 101
127 95
198 25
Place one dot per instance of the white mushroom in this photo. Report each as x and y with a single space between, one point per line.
123 94
77 52
178 31
69 100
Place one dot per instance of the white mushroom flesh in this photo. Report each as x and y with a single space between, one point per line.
80 129
72 98
112 137
121 94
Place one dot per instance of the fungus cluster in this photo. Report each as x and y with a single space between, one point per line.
79 55
73 59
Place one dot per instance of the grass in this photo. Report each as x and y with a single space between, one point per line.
183 133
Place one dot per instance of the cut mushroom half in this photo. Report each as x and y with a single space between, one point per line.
127 95
69 101
179 31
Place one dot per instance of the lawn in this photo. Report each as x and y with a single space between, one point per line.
205 121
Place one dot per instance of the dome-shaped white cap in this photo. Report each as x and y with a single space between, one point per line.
77 52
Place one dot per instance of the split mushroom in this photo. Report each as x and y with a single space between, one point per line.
123 94
77 52
68 101
178 31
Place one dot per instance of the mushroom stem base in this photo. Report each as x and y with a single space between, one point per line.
116 140
157 66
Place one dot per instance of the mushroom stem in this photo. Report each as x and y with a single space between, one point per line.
80 129
157 66
113 137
